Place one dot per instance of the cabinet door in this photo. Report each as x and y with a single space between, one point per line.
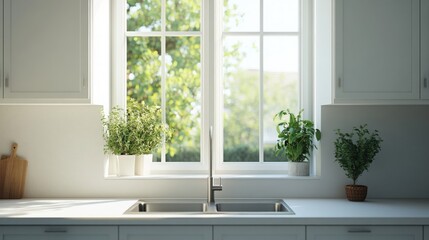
364 233
46 49
165 233
59 233
259 233
377 50
424 11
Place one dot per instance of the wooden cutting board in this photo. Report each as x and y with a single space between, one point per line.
13 172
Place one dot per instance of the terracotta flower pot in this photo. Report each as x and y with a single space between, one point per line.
356 193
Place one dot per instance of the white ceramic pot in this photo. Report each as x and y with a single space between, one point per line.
299 169
143 164
126 165
112 167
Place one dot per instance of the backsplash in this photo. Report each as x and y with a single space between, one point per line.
400 169
64 147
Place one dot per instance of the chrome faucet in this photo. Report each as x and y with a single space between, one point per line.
211 187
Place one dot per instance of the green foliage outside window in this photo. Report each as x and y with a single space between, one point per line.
183 82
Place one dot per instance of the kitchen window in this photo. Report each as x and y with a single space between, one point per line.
231 64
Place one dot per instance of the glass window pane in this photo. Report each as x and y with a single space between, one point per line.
281 85
144 15
241 99
143 71
281 15
183 15
183 96
241 16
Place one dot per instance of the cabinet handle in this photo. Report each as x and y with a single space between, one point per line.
59 230
359 231
425 82
6 81
339 82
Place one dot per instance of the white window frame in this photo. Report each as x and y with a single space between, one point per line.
305 88
119 92
211 74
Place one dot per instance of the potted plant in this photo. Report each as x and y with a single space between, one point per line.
355 152
133 133
295 141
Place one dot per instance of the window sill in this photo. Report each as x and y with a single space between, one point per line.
223 176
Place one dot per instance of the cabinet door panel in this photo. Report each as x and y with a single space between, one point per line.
364 233
165 233
259 233
377 49
45 48
59 233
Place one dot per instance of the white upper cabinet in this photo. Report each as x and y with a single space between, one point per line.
46 49
424 64
377 52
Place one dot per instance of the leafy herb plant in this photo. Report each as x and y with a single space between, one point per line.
295 136
136 131
355 151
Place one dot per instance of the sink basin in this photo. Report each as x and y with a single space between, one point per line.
166 207
233 206
172 207
255 207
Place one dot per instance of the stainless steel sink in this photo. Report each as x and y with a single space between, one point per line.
167 207
231 206
262 206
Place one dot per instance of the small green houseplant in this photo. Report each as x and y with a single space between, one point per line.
137 131
295 140
355 152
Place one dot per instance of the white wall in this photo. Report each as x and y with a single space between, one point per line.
64 147
100 52
322 64
401 167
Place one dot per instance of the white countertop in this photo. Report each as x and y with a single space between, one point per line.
307 212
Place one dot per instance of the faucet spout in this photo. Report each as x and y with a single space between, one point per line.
211 187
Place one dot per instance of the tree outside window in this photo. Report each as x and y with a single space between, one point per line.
164 68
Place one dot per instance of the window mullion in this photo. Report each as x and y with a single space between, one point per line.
159 34
218 35
257 33
207 76
163 75
261 81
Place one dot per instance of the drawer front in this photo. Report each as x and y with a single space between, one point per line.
59 232
364 233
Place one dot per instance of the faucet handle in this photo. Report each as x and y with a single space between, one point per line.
218 187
